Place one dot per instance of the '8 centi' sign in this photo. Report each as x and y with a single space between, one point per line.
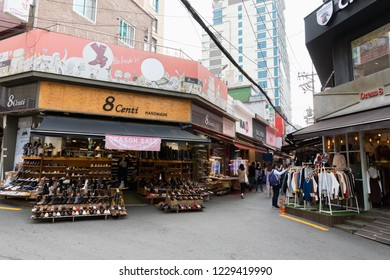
12 102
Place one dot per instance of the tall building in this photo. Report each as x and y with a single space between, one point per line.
253 32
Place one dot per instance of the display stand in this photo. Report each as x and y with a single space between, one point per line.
330 204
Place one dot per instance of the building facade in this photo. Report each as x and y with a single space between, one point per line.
134 24
351 57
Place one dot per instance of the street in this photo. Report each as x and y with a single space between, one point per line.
229 228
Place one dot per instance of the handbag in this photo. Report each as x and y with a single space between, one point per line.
246 179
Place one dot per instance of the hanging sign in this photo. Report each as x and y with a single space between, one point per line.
132 143
327 10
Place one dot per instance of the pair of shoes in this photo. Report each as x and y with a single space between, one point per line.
242 195
275 207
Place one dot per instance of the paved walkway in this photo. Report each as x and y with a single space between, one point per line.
229 228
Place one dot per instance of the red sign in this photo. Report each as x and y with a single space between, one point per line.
39 50
132 143
366 95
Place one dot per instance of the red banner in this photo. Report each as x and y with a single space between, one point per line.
132 143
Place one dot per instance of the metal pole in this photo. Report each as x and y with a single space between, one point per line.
363 161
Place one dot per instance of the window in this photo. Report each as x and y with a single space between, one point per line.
261 10
126 33
240 49
217 17
86 8
146 43
154 45
240 32
261 35
240 58
240 40
240 78
154 25
154 4
262 64
262 74
263 84
276 81
371 53
262 45
261 18
261 55
240 24
261 27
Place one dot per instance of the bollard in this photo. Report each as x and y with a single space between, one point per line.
282 208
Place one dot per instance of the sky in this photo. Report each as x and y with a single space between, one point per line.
183 33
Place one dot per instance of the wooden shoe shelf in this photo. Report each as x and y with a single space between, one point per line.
66 167
95 206
185 200
152 168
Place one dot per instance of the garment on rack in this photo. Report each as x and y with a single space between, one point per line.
339 162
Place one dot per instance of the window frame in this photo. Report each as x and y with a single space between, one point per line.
84 13
128 42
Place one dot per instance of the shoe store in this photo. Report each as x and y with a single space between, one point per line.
66 143
352 112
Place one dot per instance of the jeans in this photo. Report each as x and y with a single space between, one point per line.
257 184
276 195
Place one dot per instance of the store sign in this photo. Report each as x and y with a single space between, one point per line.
326 12
109 105
206 119
244 125
259 131
132 143
18 98
375 93
229 127
73 98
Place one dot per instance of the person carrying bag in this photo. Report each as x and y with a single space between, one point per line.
275 183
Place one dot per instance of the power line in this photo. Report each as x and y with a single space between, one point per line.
195 15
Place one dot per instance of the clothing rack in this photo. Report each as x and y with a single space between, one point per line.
329 200
295 196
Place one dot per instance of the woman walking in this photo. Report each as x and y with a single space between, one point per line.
241 179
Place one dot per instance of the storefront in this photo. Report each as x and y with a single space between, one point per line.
352 113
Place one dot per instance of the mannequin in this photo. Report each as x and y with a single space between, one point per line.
374 186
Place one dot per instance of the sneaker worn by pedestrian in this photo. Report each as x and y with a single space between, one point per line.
242 195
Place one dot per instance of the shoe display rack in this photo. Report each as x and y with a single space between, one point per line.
202 166
86 203
66 168
189 196
155 169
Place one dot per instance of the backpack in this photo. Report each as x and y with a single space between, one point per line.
273 179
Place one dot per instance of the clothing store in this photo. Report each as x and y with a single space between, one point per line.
352 112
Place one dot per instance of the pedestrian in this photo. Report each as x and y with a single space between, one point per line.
123 166
267 172
276 183
241 179
258 177
251 175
